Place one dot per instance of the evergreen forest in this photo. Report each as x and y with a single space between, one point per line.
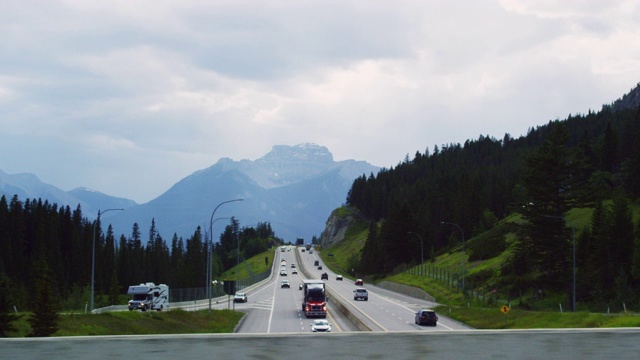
39 239
456 191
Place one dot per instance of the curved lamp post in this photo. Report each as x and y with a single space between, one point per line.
211 237
421 253
93 253
210 260
463 253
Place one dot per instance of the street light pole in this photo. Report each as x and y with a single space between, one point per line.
463 253
210 260
421 253
211 221
93 253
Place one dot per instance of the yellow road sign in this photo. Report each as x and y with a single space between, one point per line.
505 309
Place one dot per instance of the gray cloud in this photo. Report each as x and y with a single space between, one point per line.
128 97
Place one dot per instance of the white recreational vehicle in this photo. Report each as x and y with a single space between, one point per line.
149 296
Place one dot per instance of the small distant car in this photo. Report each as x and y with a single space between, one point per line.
316 263
294 271
339 277
320 326
324 276
310 251
302 250
285 284
293 265
426 317
319 267
359 282
283 273
240 297
360 294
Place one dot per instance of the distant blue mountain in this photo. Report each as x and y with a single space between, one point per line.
29 186
294 188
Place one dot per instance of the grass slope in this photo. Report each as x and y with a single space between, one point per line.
141 323
484 313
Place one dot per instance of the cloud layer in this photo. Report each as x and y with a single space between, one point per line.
128 97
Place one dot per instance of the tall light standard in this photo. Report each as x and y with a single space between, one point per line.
421 253
463 253
211 235
210 260
573 233
93 253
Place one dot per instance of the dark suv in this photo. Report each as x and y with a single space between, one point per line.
426 317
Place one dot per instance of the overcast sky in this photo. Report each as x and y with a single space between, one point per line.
128 97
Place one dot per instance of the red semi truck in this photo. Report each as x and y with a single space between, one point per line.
314 301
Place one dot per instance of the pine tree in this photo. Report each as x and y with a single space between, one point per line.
548 181
7 316
46 302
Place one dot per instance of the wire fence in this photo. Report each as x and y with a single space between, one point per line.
193 294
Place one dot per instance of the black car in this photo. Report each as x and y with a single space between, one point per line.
426 317
324 276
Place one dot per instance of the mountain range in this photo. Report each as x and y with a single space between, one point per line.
294 188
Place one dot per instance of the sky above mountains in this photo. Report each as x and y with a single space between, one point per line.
128 97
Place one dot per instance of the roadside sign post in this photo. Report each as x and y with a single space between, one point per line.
505 310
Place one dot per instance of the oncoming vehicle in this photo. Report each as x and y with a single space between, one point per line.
240 297
426 317
324 276
294 271
320 326
339 277
149 296
359 282
314 299
361 294
285 284
283 272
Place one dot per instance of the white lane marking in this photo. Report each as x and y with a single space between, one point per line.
273 304
402 306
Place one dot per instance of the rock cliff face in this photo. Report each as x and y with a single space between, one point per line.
336 227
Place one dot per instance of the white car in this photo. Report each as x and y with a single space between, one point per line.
240 297
285 284
320 326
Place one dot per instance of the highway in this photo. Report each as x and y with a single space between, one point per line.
275 327
385 310
272 309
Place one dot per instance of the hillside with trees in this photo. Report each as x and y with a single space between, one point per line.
47 254
585 161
